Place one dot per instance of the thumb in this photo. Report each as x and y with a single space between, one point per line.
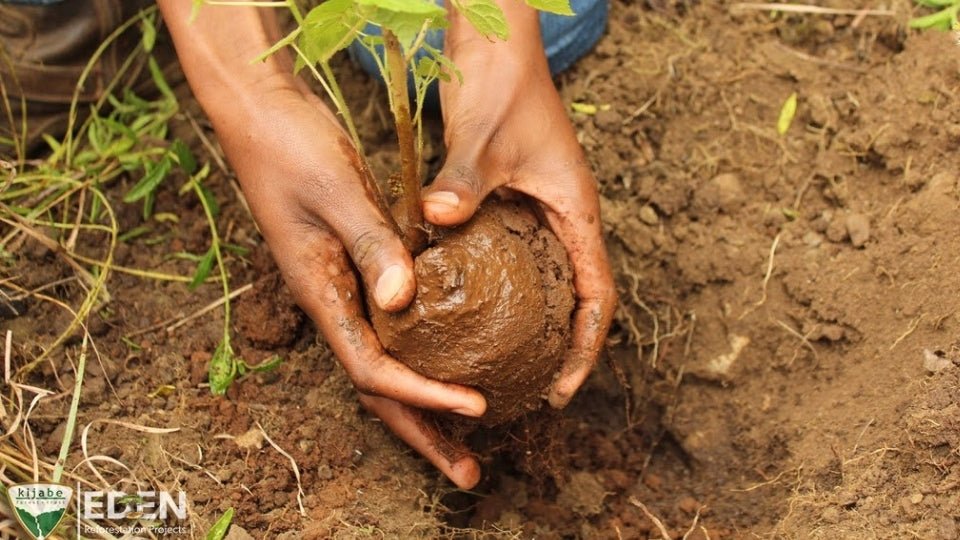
455 193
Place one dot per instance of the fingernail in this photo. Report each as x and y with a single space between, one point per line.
466 411
388 286
474 410
444 198
559 400
465 473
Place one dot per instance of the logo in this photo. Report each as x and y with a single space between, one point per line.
39 507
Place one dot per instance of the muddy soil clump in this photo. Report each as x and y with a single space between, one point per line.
492 310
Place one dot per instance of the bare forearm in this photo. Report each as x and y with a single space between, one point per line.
524 44
216 49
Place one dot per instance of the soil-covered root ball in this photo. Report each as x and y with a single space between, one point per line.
492 310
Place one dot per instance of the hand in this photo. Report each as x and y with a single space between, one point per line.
300 174
305 187
506 129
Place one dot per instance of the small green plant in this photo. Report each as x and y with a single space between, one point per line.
943 19
124 135
220 528
403 26
61 200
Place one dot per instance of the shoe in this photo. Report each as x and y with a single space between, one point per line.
44 50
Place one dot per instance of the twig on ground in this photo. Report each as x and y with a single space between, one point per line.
754 487
859 437
766 278
173 323
293 462
88 459
820 61
913 326
210 307
651 517
804 340
816 10
693 527
7 346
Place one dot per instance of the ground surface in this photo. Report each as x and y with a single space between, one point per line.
785 360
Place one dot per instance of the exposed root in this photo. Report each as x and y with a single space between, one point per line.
766 279
293 463
804 342
663 529
910 329
654 519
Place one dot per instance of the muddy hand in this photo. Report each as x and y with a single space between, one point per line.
506 129
302 180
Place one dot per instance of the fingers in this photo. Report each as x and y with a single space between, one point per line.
407 424
590 325
572 210
459 187
325 287
374 247
596 300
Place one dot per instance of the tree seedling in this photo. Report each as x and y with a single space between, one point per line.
400 50
403 27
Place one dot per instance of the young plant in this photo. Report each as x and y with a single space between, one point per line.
943 19
395 33
400 50
225 365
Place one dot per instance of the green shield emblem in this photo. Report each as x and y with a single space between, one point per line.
39 507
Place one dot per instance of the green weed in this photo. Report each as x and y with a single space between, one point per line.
943 19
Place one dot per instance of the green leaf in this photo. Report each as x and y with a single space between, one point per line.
560 7
219 529
149 38
485 16
211 200
155 174
268 365
95 134
184 157
148 203
787 112
328 28
405 18
435 66
223 369
288 40
55 147
235 249
135 232
937 3
422 8
204 268
940 20
158 79
185 256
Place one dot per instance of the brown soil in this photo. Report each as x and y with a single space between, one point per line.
784 361
492 310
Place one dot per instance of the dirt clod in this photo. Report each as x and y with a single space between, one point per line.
492 310
858 229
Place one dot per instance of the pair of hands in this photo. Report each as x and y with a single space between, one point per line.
505 129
